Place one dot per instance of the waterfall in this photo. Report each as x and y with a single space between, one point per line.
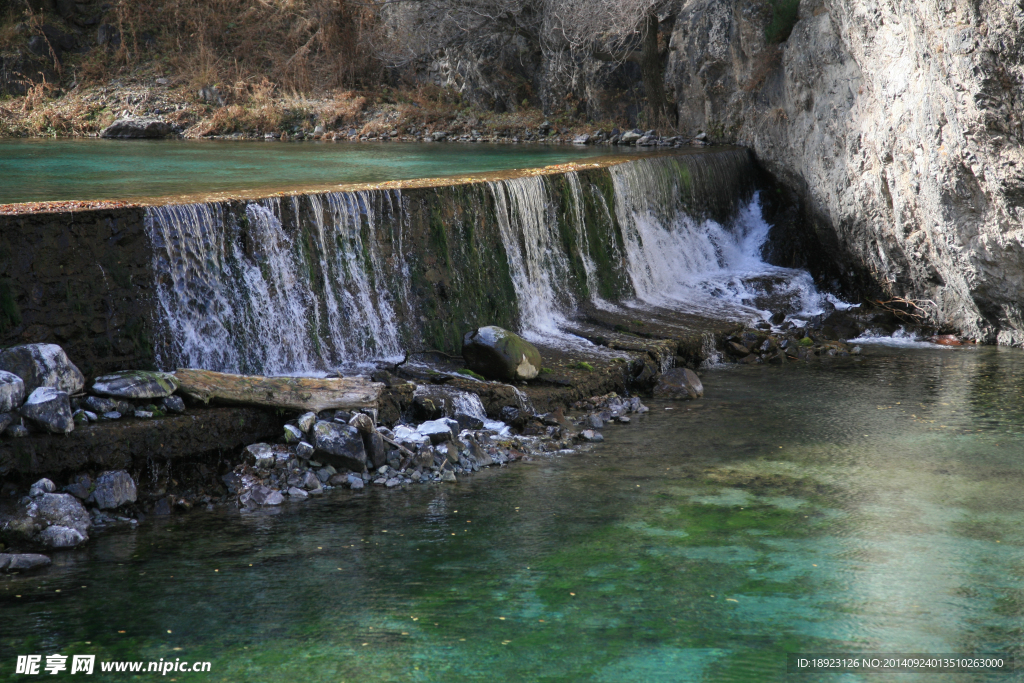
694 263
241 291
317 283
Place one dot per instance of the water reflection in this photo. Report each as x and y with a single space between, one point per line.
870 505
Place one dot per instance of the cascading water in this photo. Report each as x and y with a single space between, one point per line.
313 283
253 295
700 265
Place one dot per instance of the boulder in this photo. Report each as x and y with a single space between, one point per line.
23 562
113 489
468 422
173 404
100 405
679 384
50 409
439 431
306 421
64 511
6 420
80 487
137 128
355 482
629 137
497 353
591 436
136 384
40 487
362 422
339 445
292 434
304 450
259 455
376 449
42 365
12 391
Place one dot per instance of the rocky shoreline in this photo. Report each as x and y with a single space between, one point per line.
430 426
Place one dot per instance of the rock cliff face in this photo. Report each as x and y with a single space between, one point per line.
899 124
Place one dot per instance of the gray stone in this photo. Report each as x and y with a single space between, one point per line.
100 405
111 415
593 421
80 487
323 475
339 445
591 436
376 449
440 430
273 498
42 365
362 422
137 128
355 482
23 562
80 417
57 536
480 454
581 139
259 455
679 384
448 476
6 420
61 509
306 421
113 489
136 384
16 431
12 391
40 487
173 404
496 353
304 450
310 481
297 493
629 137
393 482
143 414
292 434
468 422
50 409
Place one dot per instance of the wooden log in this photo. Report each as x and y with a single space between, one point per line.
297 393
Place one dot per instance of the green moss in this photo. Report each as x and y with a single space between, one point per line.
806 341
470 373
545 371
785 14
583 365
10 315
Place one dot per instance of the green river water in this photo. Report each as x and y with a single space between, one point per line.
867 504
35 170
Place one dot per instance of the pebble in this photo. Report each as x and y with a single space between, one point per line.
111 415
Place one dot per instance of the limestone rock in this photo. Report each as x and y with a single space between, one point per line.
113 489
497 353
40 487
42 365
841 111
137 128
339 445
136 384
679 384
49 409
61 510
23 562
259 455
12 391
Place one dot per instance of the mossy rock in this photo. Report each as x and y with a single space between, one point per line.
136 384
496 353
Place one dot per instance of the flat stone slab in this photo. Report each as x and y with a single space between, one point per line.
114 445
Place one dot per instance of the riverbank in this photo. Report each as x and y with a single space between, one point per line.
898 476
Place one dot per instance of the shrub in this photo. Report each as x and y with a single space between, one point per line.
784 16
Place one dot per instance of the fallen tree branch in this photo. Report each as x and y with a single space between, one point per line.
297 393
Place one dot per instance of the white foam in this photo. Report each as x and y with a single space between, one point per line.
901 338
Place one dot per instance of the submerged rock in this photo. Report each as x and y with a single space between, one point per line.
12 391
42 365
113 489
497 353
50 409
339 445
22 562
136 384
680 384
137 128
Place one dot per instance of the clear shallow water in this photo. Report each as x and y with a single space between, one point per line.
58 170
862 505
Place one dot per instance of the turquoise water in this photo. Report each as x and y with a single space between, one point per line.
860 505
58 170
